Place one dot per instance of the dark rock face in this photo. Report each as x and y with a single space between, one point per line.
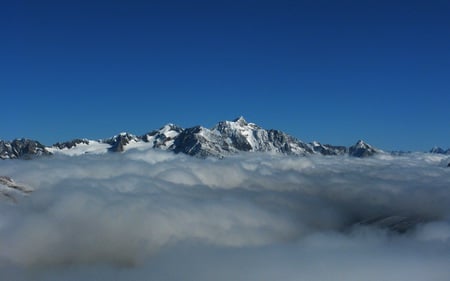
70 144
188 142
199 142
284 142
22 149
328 149
240 143
361 149
118 142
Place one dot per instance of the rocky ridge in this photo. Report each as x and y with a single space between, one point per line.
9 189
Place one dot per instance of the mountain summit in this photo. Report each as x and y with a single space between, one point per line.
225 138
362 149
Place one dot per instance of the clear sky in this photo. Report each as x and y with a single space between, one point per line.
332 71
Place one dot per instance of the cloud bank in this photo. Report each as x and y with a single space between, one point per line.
158 216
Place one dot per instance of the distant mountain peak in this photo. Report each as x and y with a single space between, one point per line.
168 127
361 143
439 150
362 149
241 121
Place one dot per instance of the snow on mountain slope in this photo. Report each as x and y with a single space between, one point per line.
120 141
240 134
202 142
163 138
244 136
79 147
231 137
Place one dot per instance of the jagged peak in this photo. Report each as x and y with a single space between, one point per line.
362 149
23 140
437 149
238 126
170 127
124 135
22 148
71 143
241 120
361 143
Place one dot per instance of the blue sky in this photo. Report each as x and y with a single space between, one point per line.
332 71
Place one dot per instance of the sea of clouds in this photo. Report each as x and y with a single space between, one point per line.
152 215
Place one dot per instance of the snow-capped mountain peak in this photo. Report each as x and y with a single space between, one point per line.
361 143
240 120
362 149
240 134
118 142
164 137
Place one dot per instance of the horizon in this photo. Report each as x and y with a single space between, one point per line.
232 120
316 70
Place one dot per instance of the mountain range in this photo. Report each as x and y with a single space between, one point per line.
225 138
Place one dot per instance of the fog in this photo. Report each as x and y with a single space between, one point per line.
152 215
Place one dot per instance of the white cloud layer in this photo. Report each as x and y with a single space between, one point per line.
151 215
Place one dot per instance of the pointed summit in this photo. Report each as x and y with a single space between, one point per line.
362 149
241 121
361 143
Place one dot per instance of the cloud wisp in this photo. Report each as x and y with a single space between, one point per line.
249 217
